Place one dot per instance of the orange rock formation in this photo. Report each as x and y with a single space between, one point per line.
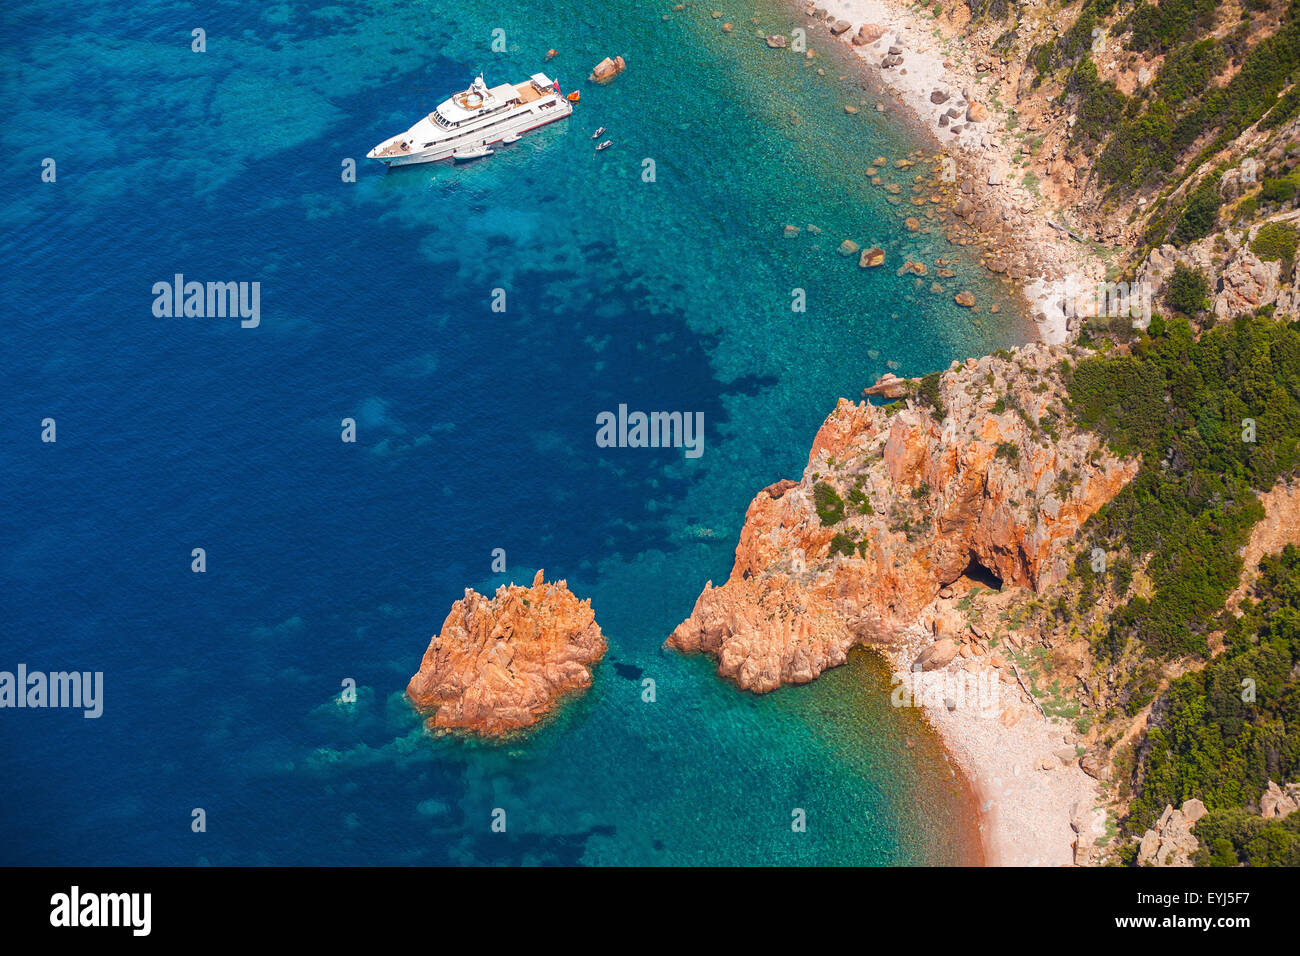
500 664
924 495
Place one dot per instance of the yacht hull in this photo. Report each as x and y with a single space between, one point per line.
429 143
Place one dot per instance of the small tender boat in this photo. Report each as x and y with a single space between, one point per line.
605 145
512 138
596 135
471 152
574 96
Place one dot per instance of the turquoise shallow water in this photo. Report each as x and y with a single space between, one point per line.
329 561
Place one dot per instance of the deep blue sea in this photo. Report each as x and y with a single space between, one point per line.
329 561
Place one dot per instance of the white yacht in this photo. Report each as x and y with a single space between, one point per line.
466 124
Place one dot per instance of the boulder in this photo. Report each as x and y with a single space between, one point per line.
965 299
868 33
939 654
848 248
975 113
607 69
776 41
888 385
840 26
1277 803
871 258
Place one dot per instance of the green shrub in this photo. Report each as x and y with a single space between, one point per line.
1281 190
929 393
1200 213
842 544
1276 241
829 504
859 500
1188 290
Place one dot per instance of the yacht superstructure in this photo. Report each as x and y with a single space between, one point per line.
466 123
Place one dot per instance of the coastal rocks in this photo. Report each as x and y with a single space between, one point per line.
790 232
965 299
1278 802
847 248
890 61
499 664
839 27
910 502
871 258
888 385
607 69
778 488
1089 824
776 41
867 34
937 654
1171 842
939 97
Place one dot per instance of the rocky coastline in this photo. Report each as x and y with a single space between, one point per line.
942 87
915 530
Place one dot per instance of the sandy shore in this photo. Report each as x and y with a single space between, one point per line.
934 63
1035 802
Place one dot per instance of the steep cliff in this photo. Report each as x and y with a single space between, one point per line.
499 664
976 472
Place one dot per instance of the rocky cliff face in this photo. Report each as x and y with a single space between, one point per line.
499 664
1239 280
897 502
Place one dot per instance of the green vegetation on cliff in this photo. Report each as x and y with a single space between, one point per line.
1210 87
1231 727
1214 420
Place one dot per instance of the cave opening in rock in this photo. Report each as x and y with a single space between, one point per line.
979 574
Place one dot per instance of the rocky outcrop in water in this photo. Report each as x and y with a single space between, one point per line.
894 504
500 664
607 69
